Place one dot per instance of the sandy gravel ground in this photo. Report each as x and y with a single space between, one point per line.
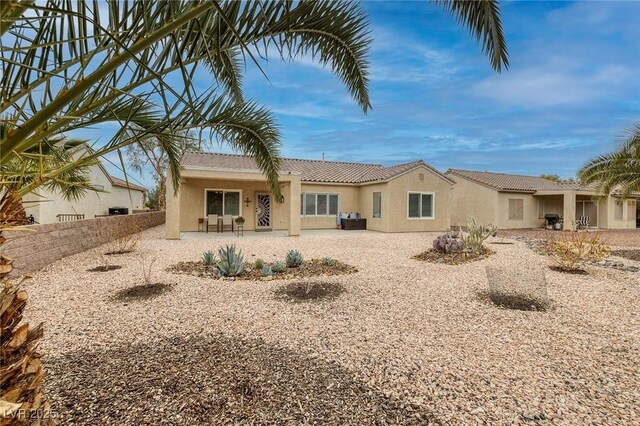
407 342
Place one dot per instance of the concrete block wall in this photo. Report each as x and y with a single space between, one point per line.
39 245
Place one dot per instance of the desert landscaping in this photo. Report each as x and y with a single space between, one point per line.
399 341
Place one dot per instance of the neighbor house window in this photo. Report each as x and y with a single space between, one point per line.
420 205
223 202
618 210
377 204
315 204
516 209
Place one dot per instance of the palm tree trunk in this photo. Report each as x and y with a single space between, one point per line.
162 196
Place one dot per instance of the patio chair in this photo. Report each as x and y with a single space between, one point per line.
212 220
227 220
583 222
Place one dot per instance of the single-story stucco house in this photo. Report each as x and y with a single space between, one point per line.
516 201
50 207
405 197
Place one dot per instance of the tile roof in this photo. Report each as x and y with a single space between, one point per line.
310 170
516 183
123 183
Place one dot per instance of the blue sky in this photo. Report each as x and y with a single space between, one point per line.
573 86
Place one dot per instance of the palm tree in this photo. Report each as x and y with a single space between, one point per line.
72 65
618 170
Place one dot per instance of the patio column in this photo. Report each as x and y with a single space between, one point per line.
172 222
294 206
569 210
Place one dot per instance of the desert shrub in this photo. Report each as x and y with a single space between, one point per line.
327 261
146 263
231 263
266 271
522 287
123 238
278 266
573 249
259 263
448 244
209 258
477 234
294 259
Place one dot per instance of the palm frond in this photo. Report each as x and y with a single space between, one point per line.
482 19
619 170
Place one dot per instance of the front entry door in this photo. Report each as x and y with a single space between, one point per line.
263 211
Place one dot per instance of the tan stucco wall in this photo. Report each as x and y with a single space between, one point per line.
349 201
470 199
366 206
530 212
397 202
49 204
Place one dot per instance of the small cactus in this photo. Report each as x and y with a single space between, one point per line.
231 263
259 263
294 259
278 266
209 258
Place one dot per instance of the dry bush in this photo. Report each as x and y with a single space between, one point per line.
522 287
146 263
123 238
572 250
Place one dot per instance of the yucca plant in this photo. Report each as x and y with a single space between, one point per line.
231 263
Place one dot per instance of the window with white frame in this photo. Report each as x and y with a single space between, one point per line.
377 205
223 202
420 205
319 204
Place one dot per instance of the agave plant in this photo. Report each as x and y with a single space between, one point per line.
278 266
231 263
209 258
266 271
294 259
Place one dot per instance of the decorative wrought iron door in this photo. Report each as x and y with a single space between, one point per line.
263 211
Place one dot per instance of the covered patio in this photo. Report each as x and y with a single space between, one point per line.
586 210
206 195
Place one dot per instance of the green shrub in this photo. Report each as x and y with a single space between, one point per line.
266 271
259 263
294 259
278 266
209 258
327 261
231 263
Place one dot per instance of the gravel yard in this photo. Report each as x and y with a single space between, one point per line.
614 237
405 342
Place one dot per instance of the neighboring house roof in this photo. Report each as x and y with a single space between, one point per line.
514 183
320 171
123 184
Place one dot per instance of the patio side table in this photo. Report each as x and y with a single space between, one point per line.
240 229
